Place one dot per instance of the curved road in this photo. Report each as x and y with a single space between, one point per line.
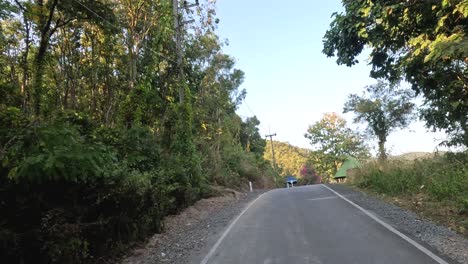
312 225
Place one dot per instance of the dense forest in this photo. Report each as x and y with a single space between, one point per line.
101 136
289 159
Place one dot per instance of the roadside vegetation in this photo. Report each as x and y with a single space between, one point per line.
424 45
413 41
100 137
436 187
332 141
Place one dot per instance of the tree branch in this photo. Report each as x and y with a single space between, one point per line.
21 6
49 19
58 25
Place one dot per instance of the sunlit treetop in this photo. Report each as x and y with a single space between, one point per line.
423 42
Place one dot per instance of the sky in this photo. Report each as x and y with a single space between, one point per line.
290 83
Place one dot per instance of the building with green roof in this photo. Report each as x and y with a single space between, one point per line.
349 164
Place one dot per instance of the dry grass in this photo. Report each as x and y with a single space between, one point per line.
441 212
435 187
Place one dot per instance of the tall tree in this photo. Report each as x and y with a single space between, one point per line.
332 142
250 137
48 17
384 108
423 42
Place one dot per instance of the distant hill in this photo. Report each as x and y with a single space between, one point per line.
288 157
410 156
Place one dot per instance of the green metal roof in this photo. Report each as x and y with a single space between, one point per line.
349 163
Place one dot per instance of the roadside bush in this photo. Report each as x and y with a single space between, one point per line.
308 175
393 178
233 167
443 178
72 192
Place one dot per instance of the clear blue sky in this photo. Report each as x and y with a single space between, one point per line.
289 82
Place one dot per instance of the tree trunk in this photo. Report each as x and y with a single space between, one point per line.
94 90
24 83
132 61
46 31
382 154
39 74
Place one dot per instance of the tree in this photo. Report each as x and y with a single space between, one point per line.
48 17
423 42
332 142
250 138
384 108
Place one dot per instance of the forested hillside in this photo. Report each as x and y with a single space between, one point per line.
100 136
289 159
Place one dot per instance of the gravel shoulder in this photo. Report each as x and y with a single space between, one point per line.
440 238
191 231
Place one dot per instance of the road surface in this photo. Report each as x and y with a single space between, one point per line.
312 225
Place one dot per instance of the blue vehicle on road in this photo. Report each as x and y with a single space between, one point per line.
290 181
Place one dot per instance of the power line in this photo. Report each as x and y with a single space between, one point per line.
244 110
96 14
250 110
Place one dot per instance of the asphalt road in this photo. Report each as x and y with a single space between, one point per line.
311 225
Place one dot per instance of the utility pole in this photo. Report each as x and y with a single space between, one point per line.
178 23
272 148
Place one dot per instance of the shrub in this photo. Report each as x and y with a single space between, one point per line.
71 193
442 178
75 192
308 175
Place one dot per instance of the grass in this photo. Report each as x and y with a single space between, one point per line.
435 187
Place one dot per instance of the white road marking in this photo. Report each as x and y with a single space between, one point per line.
398 233
213 249
322 198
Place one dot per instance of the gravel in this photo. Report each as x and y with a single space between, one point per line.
440 238
192 230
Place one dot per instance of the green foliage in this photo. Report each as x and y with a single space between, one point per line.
424 44
289 159
250 138
384 108
68 197
95 147
326 165
331 135
443 178
56 152
332 143
5 8
184 160
230 148
9 94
